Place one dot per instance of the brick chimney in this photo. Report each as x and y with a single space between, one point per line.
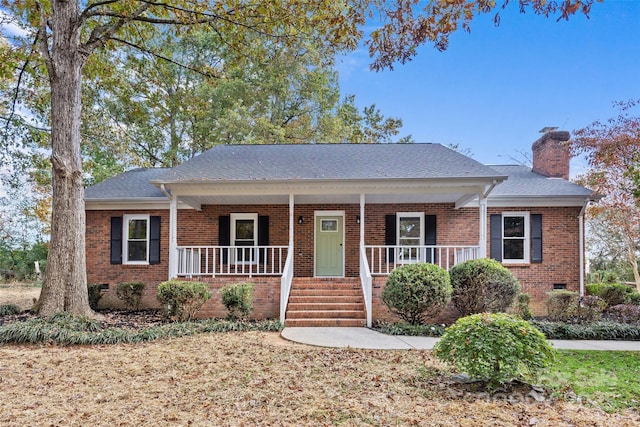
551 153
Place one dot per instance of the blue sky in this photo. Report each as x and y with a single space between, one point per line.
493 89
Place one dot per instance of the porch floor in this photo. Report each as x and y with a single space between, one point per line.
318 302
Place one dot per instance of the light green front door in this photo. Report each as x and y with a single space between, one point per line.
329 246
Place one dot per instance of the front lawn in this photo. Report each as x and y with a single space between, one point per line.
608 379
257 378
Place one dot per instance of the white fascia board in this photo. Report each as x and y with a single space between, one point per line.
536 201
406 186
130 204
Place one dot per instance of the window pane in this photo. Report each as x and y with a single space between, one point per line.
244 229
329 225
137 251
410 227
513 226
138 229
513 249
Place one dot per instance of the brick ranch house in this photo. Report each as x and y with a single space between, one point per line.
318 227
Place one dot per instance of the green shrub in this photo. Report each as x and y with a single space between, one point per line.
238 299
130 293
634 298
565 306
495 347
482 285
95 293
562 305
9 310
613 293
428 330
183 298
522 309
602 330
416 292
589 308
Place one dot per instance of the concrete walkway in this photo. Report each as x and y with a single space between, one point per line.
369 339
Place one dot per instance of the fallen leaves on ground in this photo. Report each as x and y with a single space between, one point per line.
254 379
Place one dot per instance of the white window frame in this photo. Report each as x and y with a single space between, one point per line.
125 238
243 216
400 259
526 238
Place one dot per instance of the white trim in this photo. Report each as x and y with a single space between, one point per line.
317 214
526 238
125 238
106 205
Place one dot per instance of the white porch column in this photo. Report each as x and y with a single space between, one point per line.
291 204
173 237
361 220
482 253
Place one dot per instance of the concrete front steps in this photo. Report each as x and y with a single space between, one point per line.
326 302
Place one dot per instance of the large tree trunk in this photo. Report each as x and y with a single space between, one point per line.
65 279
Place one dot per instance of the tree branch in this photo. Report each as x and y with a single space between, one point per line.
16 92
164 58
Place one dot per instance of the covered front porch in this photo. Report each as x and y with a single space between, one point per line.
321 231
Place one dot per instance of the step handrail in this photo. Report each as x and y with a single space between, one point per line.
285 285
366 282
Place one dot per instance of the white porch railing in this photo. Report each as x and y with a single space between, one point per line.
285 285
366 281
383 259
194 261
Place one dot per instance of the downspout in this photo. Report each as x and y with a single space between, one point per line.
581 244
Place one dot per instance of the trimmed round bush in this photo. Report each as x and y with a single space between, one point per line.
495 347
482 285
238 299
417 292
183 298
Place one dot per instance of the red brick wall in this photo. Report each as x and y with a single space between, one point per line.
460 227
100 270
560 255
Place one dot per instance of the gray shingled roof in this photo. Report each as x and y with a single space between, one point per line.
326 162
330 162
523 182
133 184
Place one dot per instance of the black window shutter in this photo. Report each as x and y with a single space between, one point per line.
495 225
154 240
116 240
224 235
430 236
536 238
263 236
390 234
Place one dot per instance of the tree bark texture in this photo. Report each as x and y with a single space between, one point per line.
65 279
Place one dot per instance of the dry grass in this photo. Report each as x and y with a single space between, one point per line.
21 294
252 378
